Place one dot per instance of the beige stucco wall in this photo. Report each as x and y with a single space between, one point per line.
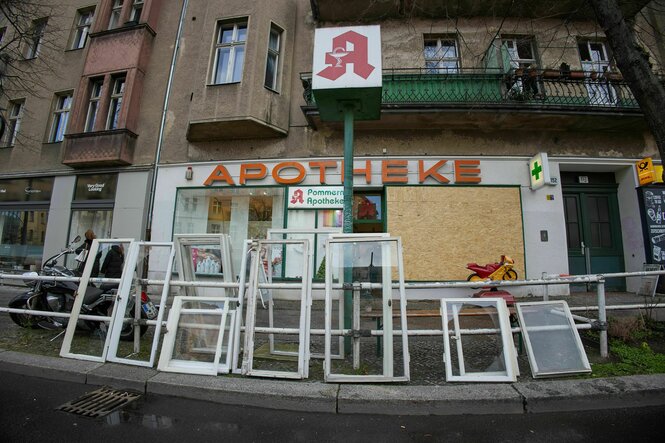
444 228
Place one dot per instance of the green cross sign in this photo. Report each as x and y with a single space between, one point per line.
537 169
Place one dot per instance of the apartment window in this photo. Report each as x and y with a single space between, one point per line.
594 56
2 34
229 52
13 122
272 63
63 104
521 52
137 8
83 22
116 102
93 104
116 9
441 55
35 38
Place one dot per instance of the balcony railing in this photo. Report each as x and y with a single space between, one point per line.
576 91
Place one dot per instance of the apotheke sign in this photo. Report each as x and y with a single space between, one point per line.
331 172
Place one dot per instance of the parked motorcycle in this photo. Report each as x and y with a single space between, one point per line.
58 296
502 270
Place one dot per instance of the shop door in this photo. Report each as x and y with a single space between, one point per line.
594 234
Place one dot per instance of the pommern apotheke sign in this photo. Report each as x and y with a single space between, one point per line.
316 197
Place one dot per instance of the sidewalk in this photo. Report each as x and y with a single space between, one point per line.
525 396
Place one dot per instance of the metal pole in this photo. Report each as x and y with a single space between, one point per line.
602 318
348 213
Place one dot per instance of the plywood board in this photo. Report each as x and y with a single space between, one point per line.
444 228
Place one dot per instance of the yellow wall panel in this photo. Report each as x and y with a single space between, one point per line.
444 228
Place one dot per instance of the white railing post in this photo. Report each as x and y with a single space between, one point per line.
602 317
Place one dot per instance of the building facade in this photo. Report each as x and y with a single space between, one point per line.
79 149
468 98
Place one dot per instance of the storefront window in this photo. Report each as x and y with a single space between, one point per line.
22 234
242 213
24 206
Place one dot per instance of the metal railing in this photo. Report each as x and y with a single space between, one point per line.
537 89
599 324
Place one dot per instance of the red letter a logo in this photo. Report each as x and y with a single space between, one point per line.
349 47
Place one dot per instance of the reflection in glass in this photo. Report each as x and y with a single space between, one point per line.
22 235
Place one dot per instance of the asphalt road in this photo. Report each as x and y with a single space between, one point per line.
28 413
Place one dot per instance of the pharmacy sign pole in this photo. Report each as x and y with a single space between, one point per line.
346 84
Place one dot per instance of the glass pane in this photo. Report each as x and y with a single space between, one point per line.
242 33
584 52
95 187
524 49
367 207
240 212
552 341
331 218
430 49
196 337
238 62
475 354
271 66
226 34
33 189
273 42
448 49
22 236
221 72
97 220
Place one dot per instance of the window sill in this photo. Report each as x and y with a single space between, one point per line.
74 49
223 84
53 143
271 89
123 29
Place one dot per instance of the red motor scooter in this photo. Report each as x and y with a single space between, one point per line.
503 270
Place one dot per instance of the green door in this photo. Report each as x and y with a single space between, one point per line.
594 233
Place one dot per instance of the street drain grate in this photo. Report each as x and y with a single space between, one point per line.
99 403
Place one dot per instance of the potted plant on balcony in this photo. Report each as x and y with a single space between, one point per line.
551 72
613 75
576 75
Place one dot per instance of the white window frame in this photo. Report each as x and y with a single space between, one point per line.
137 10
599 91
124 289
166 361
115 103
94 100
253 294
299 234
570 325
441 60
233 47
515 60
65 350
60 118
116 12
36 38
84 18
14 122
274 53
387 330
508 347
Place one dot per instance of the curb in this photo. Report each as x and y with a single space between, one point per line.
459 399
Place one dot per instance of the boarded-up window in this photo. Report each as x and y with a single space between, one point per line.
444 228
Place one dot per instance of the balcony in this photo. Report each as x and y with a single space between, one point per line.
477 98
371 11
103 148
